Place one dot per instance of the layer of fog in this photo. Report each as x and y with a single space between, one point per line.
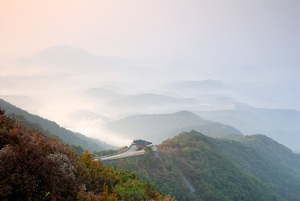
82 91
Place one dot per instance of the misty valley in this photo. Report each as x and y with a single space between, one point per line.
150 100
193 159
212 140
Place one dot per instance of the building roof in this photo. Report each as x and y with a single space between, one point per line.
143 143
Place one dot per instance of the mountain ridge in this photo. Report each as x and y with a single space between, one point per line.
248 168
53 128
279 124
159 127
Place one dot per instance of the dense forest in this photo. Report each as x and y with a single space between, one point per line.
192 166
36 167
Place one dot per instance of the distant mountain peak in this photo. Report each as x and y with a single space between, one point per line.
61 56
159 127
187 114
64 53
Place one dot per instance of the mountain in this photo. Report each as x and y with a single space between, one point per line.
210 94
64 56
193 166
34 167
72 61
280 124
53 129
150 99
134 101
158 127
190 87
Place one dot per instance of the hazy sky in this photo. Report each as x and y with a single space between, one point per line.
259 33
234 31
231 40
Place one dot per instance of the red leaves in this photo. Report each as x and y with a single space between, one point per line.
33 167
27 170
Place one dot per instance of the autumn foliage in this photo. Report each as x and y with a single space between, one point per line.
35 167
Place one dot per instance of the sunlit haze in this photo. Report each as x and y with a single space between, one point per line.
85 63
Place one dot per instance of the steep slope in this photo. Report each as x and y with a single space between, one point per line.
158 127
192 166
282 166
53 129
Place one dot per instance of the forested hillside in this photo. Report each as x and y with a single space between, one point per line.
51 128
192 166
35 167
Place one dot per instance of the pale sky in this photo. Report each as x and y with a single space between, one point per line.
219 30
253 41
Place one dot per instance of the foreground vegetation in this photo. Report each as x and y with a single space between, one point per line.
35 167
